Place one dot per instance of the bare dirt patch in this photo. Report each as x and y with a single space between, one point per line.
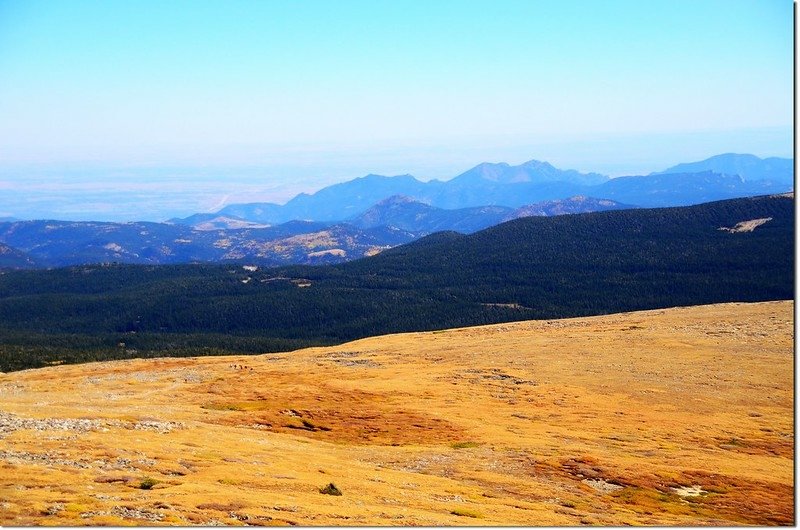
746 226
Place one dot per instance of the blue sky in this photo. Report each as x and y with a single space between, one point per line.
314 92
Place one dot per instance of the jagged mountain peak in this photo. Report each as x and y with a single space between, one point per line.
503 185
537 164
533 171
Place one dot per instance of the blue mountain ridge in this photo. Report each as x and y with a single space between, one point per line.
488 184
749 167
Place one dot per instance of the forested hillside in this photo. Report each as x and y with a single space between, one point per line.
537 267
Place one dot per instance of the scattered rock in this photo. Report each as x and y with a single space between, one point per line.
47 459
330 489
601 485
161 427
689 491
128 513
54 509
10 423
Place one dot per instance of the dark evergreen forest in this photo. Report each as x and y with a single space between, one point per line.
529 268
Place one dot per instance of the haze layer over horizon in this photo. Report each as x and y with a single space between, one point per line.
111 109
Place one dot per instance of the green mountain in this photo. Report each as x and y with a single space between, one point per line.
215 239
533 267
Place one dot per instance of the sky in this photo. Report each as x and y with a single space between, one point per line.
175 107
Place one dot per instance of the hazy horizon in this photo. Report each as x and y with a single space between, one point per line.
101 190
150 110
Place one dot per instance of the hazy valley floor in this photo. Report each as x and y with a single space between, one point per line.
677 416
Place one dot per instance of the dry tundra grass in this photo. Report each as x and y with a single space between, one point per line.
668 417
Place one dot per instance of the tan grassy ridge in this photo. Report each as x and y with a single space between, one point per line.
677 416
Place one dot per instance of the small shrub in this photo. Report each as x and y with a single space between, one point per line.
147 483
464 445
220 507
330 489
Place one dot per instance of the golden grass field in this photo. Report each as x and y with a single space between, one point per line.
668 417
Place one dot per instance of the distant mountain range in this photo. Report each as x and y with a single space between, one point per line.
59 243
392 222
721 177
749 167
408 214
368 215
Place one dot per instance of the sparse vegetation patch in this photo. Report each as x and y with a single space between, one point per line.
465 445
308 425
221 507
461 512
147 483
